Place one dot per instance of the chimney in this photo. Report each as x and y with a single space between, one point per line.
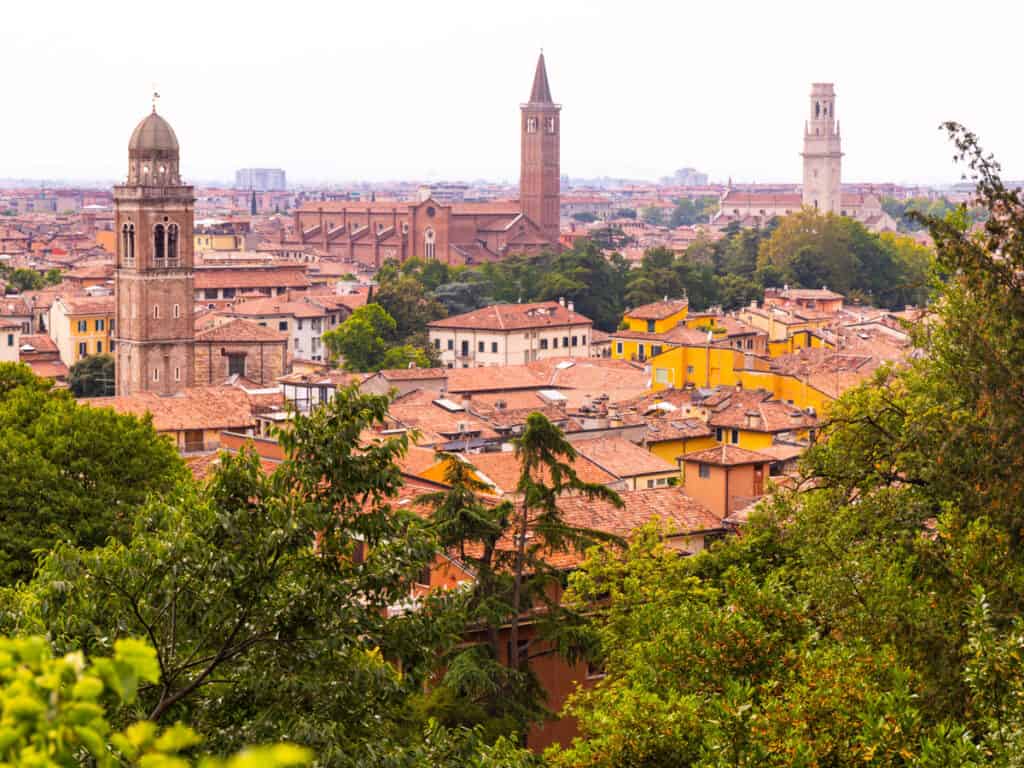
561 301
572 306
752 419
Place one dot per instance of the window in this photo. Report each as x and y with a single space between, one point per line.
750 343
99 347
494 347
172 241
156 374
618 347
10 339
176 312
704 471
156 311
83 326
111 325
99 324
661 375
128 242
405 229
465 349
531 125
298 323
177 374
158 242
549 125
479 346
428 245
282 325
451 344
640 351
236 365
650 483
544 343
437 343
211 293
719 434
82 349
229 293
650 326
575 341
655 350
583 341
735 437
689 370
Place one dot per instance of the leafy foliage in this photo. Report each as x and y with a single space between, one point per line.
872 615
92 376
71 473
53 713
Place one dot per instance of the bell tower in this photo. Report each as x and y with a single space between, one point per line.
154 334
539 167
822 153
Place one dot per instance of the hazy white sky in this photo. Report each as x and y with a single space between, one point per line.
382 90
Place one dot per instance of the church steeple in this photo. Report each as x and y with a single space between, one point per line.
541 92
539 170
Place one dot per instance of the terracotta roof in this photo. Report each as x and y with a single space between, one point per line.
809 293
622 458
40 342
48 369
197 408
752 410
665 429
726 455
14 306
203 466
417 410
658 310
414 374
682 513
502 470
495 379
239 330
89 305
277 306
250 277
508 317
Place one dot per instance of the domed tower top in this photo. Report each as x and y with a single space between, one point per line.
153 153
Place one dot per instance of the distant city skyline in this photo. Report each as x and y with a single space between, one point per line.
340 93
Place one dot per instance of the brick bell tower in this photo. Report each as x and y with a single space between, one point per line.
823 155
539 167
153 218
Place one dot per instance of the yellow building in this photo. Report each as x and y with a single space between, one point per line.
211 241
81 326
648 330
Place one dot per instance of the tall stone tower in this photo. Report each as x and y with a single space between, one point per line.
153 217
539 175
822 154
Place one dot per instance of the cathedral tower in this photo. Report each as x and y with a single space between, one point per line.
822 154
154 282
539 174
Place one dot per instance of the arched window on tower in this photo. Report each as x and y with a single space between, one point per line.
531 125
124 243
817 109
172 242
428 245
158 242
129 246
549 124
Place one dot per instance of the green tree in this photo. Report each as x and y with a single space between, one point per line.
22 280
406 299
92 376
54 713
72 473
363 340
267 598
53 276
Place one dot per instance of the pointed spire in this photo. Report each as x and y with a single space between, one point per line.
541 93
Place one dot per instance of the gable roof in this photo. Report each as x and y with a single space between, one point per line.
658 310
726 455
509 317
622 457
239 330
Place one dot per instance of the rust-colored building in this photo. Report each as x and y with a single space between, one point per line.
457 233
725 478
